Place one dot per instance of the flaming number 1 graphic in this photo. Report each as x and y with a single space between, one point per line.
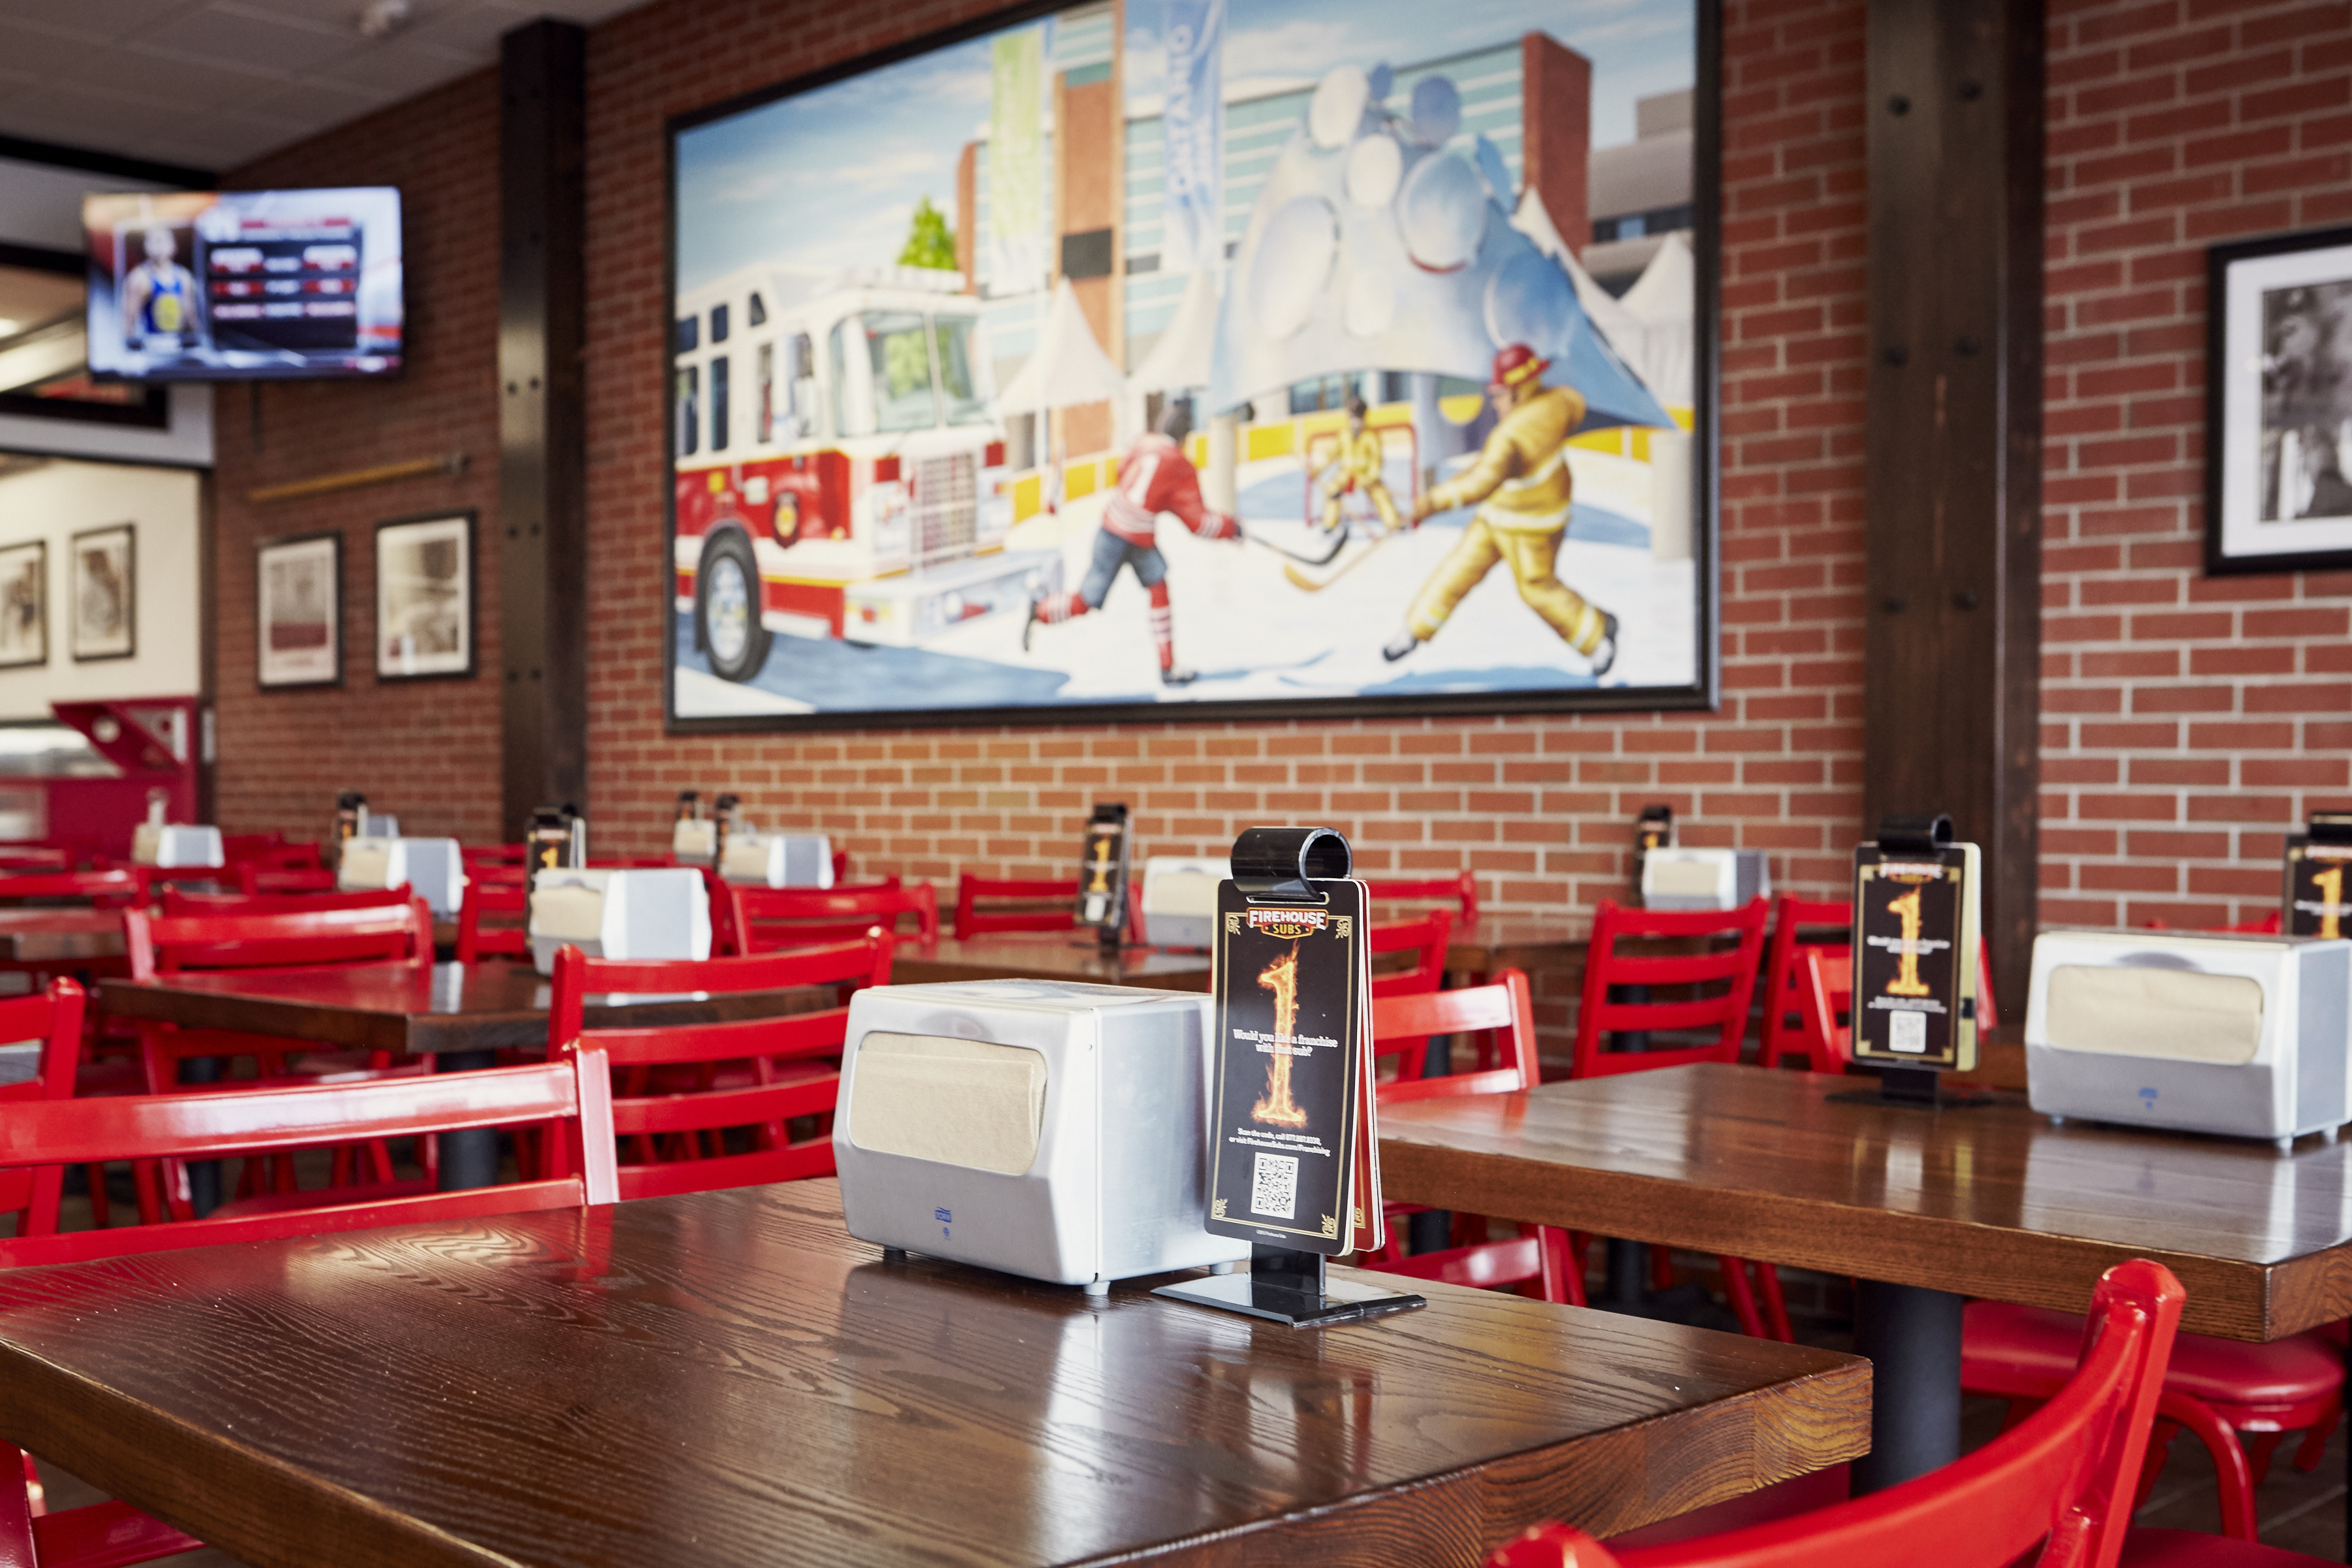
2330 884
1906 981
1102 867
1277 1108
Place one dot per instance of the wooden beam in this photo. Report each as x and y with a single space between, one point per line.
543 420
1952 700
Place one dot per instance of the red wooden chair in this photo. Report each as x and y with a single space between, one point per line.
473 855
115 889
1461 890
568 1095
54 1018
252 880
1427 940
762 920
35 858
273 855
971 919
758 1074
1824 988
1790 915
1723 1011
495 890
175 904
1542 1256
2060 1481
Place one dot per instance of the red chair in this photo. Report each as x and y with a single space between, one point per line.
114 889
762 920
54 1018
758 1074
1427 939
473 855
567 1095
493 890
35 858
972 920
252 880
1824 986
1461 890
2060 1481
270 853
1543 1255
177 904
1788 916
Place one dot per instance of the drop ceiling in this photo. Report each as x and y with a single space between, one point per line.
211 84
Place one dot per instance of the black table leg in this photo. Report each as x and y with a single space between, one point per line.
469 1159
1626 1285
203 1176
1911 1337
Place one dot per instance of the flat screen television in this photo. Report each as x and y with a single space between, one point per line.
237 285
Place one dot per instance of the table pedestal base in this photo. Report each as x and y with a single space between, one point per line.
1911 1337
1286 1287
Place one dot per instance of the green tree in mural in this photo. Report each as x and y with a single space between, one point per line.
929 241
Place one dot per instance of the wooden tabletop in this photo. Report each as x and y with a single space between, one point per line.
492 1006
1810 1169
1047 955
727 1378
1513 942
59 936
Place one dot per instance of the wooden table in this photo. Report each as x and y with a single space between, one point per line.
727 1378
1047 955
1511 942
1926 1206
60 936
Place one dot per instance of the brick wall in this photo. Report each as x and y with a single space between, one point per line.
2186 718
426 750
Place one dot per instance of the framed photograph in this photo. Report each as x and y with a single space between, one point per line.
2278 445
425 596
297 616
105 593
1213 359
24 605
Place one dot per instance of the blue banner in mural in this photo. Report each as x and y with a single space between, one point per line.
1192 128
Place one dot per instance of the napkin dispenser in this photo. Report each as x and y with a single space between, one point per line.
694 840
661 912
432 869
171 844
1048 1128
1180 899
778 860
1677 878
2244 1035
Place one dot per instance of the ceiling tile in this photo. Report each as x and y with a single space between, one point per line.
183 84
94 19
395 68
278 47
316 104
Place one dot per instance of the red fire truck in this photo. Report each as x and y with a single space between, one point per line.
839 468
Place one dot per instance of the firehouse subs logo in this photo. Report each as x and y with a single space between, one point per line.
1287 924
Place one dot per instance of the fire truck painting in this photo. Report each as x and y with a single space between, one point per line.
1412 294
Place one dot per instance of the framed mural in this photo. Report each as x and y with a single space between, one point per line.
2279 392
1202 358
425 596
105 593
24 605
298 597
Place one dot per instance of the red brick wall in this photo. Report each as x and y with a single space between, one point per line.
1541 809
2185 717
425 751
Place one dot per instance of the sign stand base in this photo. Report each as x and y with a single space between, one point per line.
1287 1286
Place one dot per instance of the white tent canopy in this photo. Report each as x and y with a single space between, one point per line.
1182 357
1068 368
1651 338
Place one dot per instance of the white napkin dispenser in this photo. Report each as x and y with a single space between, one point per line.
694 841
1180 899
658 913
1674 878
778 860
2244 1035
171 844
432 869
1052 1130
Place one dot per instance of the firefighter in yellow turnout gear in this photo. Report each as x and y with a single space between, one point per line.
1521 487
1356 464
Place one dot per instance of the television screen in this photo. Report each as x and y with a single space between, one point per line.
225 285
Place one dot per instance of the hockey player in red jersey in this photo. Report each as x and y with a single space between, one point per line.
1154 477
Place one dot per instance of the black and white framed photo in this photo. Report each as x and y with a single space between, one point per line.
2279 397
298 611
425 596
24 605
105 593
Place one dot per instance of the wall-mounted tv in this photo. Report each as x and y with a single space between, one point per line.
234 285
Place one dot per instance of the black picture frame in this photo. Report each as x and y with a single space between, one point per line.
2261 415
460 522
13 558
1702 694
122 642
298 671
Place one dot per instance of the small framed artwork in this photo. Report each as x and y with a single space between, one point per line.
425 596
2278 463
105 593
298 611
24 605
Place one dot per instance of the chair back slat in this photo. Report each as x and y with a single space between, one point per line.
493 890
53 1017
378 933
1462 890
1427 939
1825 993
120 885
1503 1005
1725 1011
177 905
971 919
1791 916
265 880
2062 1481
760 920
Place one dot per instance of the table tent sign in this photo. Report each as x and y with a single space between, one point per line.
1916 917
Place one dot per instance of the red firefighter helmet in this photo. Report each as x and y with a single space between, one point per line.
1515 365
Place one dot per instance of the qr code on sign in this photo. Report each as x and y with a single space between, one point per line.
1907 1031
1274 1188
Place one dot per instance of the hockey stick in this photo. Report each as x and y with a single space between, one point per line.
1301 580
1338 542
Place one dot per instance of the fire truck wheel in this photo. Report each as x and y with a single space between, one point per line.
726 609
